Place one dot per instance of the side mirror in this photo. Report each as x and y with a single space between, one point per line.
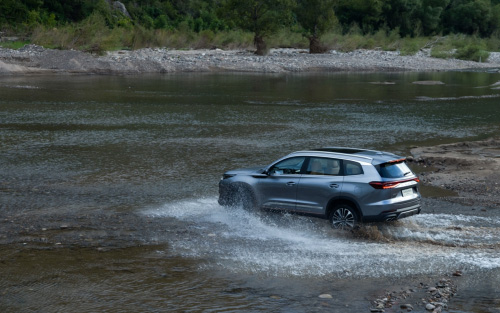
263 175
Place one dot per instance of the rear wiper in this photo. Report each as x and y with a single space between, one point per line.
407 173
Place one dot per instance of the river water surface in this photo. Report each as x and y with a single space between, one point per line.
155 147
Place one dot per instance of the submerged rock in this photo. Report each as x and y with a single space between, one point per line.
428 82
326 296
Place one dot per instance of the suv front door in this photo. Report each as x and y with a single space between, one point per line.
279 189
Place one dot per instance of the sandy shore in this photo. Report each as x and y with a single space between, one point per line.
35 59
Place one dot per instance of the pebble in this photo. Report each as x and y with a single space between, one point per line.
457 273
430 307
407 307
326 296
157 60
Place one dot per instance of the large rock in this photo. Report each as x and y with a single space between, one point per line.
117 5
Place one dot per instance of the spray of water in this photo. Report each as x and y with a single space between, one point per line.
289 245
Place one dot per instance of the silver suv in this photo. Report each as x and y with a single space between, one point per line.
345 185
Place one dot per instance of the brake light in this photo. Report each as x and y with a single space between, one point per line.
397 161
390 184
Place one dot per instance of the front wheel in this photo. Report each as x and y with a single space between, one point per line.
245 198
343 217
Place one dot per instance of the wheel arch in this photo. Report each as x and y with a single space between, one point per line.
240 188
343 200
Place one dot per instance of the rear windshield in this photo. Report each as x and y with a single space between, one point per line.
394 170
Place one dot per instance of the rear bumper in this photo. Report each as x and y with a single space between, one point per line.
392 216
409 209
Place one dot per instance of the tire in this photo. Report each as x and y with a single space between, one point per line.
344 217
245 198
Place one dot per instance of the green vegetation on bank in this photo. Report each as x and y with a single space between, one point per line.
464 29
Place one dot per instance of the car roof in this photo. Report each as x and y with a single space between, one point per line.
362 155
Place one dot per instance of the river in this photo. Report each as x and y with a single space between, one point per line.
145 153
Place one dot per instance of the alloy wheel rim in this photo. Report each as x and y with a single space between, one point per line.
343 219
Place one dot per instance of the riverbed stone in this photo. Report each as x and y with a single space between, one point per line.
31 59
430 307
407 307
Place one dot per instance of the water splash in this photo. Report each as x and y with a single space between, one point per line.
289 245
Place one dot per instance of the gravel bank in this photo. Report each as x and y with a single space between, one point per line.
36 59
468 168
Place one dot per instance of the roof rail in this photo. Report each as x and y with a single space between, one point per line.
352 155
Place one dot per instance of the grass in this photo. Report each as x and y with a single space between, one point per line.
14 44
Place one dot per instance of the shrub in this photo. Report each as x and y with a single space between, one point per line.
473 53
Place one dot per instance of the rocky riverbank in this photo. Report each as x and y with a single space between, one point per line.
35 59
469 169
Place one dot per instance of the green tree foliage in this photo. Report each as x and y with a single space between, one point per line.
315 17
16 11
414 17
261 17
208 18
366 14
469 17
402 15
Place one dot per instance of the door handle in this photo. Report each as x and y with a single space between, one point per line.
334 185
290 183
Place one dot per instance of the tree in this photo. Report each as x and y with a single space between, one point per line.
402 15
262 17
469 17
15 11
315 17
365 13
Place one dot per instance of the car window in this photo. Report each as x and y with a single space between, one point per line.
394 170
352 168
323 166
288 166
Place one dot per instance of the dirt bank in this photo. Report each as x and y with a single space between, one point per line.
468 168
35 59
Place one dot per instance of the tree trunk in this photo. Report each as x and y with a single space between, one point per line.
260 45
315 45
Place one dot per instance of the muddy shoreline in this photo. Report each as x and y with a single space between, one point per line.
33 59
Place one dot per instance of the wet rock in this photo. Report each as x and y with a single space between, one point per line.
428 82
438 309
407 307
457 273
430 307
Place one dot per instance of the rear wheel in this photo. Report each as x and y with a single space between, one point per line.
343 216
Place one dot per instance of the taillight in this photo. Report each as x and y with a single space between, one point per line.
390 184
